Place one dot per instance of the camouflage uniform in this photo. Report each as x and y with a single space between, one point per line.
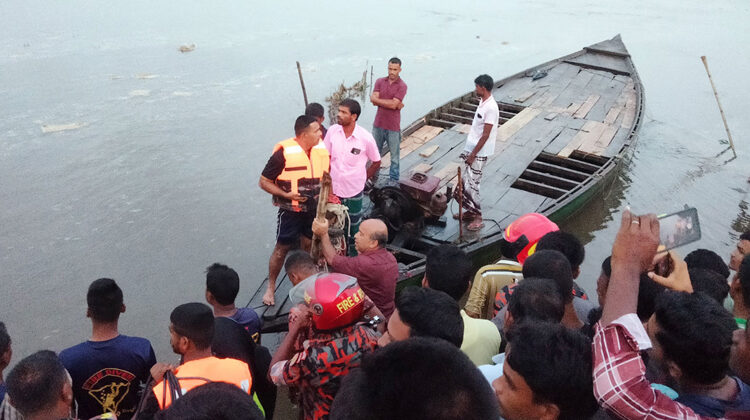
326 358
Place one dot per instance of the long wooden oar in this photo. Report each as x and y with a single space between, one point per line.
721 110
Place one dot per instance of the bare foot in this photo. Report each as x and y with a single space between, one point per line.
268 298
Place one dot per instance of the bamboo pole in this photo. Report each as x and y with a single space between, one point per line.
721 110
302 82
460 187
325 189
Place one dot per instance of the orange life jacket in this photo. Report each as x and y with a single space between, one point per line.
209 369
301 174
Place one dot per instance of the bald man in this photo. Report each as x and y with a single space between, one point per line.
375 268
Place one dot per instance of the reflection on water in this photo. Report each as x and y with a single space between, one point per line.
741 223
598 212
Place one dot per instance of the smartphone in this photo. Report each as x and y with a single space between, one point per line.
679 228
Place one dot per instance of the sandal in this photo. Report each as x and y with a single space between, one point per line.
476 225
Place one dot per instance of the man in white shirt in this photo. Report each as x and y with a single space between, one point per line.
479 145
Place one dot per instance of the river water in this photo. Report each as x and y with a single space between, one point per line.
160 180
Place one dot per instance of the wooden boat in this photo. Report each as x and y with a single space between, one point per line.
564 127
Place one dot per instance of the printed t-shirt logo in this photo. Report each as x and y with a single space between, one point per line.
109 387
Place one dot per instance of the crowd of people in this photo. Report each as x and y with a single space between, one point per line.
519 339
661 345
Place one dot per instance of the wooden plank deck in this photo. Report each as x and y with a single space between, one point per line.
411 143
555 134
585 106
584 109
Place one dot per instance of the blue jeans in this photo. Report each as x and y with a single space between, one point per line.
393 140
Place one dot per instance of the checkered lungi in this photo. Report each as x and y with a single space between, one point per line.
471 175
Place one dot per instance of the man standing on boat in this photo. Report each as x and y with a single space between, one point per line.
292 176
480 144
351 147
388 95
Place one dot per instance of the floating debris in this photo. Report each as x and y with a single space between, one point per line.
186 48
139 92
54 128
358 89
146 76
423 57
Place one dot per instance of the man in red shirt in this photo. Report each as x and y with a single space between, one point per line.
375 269
388 95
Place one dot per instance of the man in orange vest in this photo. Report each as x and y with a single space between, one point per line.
191 330
292 176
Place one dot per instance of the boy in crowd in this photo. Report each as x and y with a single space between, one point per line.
709 282
222 287
552 265
573 249
317 111
424 312
40 388
709 260
546 375
533 298
109 369
448 269
418 378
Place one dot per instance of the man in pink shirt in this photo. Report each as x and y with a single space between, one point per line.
351 147
388 95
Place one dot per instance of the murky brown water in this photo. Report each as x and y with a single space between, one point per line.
161 181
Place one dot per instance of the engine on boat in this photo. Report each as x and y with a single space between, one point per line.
407 207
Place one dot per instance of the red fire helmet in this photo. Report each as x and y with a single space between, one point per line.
336 300
523 234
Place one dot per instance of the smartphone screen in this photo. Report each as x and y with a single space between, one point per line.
679 228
